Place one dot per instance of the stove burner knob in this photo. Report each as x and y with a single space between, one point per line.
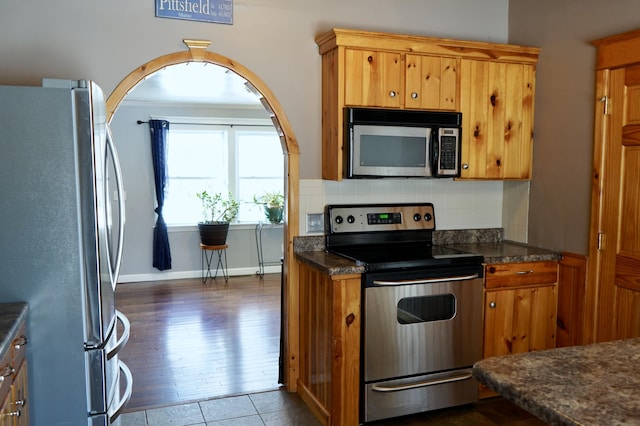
428 217
417 217
351 219
339 219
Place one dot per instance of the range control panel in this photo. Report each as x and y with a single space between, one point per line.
379 217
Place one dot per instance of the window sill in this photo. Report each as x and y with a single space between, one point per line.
194 228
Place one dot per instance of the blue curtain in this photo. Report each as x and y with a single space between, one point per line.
161 250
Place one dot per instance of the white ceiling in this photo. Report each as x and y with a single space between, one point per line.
195 83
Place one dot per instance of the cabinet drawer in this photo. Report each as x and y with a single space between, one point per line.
6 374
19 347
498 275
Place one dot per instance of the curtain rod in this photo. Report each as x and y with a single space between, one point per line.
212 124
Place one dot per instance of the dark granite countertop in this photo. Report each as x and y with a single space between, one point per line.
507 252
486 242
11 316
594 384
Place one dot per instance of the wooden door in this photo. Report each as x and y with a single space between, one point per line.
616 204
496 100
431 82
20 392
373 78
519 320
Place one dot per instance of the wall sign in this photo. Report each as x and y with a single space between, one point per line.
218 11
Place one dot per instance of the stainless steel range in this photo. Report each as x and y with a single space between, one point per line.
421 307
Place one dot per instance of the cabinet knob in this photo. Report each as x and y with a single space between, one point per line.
414 95
492 305
6 372
20 342
465 166
392 94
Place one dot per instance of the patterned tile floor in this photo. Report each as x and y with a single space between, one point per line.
280 408
275 408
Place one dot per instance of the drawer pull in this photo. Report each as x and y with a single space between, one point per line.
492 305
530 271
20 342
6 372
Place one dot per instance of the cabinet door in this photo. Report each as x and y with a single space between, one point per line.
431 82
496 100
373 78
6 417
20 396
519 320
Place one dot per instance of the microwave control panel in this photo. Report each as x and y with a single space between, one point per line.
448 152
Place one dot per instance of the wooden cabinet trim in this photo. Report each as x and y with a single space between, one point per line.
618 50
426 45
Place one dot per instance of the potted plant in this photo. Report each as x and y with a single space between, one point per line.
217 213
272 204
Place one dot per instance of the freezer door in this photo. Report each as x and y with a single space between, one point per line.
103 371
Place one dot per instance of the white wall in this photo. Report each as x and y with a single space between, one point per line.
458 205
565 105
105 41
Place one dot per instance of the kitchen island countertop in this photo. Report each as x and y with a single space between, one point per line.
11 316
595 384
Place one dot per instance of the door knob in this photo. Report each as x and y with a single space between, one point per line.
492 305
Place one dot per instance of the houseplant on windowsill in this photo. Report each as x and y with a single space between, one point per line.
217 212
272 204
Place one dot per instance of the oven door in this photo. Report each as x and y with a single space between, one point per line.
417 323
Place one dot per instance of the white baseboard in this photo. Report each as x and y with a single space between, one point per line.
180 275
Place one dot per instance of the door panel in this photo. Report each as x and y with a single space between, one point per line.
617 207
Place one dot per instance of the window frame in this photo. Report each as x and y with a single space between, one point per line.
232 125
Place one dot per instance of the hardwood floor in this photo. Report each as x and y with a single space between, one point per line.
191 341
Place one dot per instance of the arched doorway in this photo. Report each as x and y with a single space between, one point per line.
197 53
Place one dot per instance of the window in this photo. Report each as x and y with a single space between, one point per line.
243 160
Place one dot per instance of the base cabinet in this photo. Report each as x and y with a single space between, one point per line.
15 383
520 308
330 345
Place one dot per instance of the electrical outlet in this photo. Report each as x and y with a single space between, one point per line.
315 223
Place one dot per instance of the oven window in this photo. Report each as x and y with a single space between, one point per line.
439 307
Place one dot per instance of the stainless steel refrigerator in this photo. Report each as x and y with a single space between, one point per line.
61 234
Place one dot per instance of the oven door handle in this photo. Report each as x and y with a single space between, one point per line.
467 375
426 280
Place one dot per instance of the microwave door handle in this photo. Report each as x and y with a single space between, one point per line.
435 153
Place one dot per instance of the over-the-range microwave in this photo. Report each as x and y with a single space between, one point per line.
402 143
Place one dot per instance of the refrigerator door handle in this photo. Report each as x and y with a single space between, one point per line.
114 412
125 335
121 210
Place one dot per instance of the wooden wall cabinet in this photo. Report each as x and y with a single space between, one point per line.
14 387
520 307
491 84
497 104
394 80
329 379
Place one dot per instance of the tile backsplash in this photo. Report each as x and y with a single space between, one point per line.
458 204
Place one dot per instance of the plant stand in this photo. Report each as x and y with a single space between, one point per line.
261 263
208 253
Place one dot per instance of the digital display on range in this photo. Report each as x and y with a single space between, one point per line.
384 218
